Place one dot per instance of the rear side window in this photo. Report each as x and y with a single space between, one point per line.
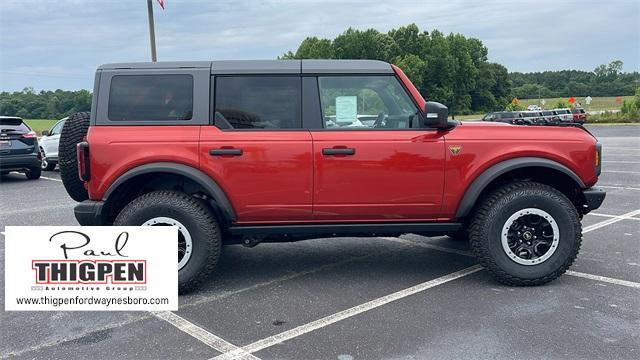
151 98
13 125
258 102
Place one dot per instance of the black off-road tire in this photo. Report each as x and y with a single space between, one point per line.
195 215
73 132
33 173
490 217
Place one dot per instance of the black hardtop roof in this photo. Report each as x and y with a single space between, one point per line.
265 66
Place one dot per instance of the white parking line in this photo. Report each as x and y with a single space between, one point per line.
609 216
621 172
605 279
610 221
48 178
621 148
618 187
345 314
37 209
203 335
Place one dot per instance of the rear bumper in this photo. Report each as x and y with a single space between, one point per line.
594 197
89 213
19 162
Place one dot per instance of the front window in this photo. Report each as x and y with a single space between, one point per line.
365 102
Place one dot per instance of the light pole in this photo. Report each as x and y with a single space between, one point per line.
152 32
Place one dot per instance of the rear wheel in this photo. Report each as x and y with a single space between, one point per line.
33 173
199 240
46 164
526 233
73 132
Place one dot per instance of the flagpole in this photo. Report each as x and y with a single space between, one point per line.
152 32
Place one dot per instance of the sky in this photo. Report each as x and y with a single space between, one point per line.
51 44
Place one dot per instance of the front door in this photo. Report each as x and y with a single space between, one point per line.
373 162
258 151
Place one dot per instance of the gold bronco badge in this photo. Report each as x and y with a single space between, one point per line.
455 149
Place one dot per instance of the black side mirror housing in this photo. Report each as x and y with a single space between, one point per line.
45 132
436 115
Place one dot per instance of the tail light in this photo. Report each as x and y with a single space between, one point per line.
598 159
82 152
29 135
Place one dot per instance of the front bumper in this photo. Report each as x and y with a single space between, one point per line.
19 162
594 197
89 213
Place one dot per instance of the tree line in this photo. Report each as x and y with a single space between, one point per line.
29 104
454 69
604 80
451 69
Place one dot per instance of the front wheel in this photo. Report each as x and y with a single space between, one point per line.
526 233
199 240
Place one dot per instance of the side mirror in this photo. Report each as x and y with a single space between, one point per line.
436 115
45 132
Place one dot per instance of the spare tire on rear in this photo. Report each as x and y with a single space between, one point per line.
73 132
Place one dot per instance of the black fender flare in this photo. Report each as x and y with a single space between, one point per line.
474 190
202 179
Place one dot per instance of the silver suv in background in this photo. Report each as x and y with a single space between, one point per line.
565 115
550 116
49 145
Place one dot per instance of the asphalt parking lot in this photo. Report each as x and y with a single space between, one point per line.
353 298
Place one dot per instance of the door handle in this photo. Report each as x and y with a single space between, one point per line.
338 151
225 152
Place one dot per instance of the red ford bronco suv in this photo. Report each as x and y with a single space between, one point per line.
257 151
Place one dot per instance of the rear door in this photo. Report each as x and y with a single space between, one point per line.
16 137
373 161
257 149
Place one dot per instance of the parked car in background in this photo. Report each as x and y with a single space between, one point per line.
18 148
534 108
511 117
49 145
550 116
579 115
565 115
533 118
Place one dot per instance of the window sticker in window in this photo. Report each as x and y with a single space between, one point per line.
346 110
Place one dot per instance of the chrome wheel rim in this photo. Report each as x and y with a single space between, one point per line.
530 236
44 162
185 244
